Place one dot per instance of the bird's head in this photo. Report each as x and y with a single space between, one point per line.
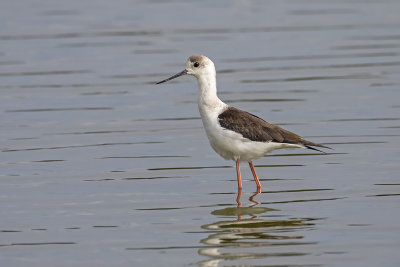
196 65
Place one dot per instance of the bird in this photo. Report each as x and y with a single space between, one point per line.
235 134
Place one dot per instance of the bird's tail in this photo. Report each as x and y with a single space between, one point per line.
311 145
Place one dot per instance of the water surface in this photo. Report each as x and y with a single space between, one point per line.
100 167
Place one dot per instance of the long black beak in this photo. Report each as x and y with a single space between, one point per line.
173 77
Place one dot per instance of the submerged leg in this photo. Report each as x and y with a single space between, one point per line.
239 176
239 204
253 171
252 198
239 195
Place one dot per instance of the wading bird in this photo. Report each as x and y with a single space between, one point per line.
233 133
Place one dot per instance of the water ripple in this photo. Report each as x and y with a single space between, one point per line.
330 66
59 109
221 167
53 72
80 146
312 57
314 78
37 244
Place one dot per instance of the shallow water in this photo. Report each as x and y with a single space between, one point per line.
100 167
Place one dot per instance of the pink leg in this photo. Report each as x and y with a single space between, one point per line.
239 195
239 203
239 176
253 171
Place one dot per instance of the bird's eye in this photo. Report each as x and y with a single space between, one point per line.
196 64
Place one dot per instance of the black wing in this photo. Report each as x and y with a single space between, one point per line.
257 129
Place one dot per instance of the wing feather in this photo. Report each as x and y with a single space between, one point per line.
256 129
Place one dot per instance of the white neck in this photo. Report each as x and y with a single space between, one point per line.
208 90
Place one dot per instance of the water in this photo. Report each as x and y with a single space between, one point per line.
100 167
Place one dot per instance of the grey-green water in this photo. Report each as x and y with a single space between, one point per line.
100 167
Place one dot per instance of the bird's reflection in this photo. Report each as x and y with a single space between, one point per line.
246 236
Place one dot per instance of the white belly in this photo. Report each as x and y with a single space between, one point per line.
231 145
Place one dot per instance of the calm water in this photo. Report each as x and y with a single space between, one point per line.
100 167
